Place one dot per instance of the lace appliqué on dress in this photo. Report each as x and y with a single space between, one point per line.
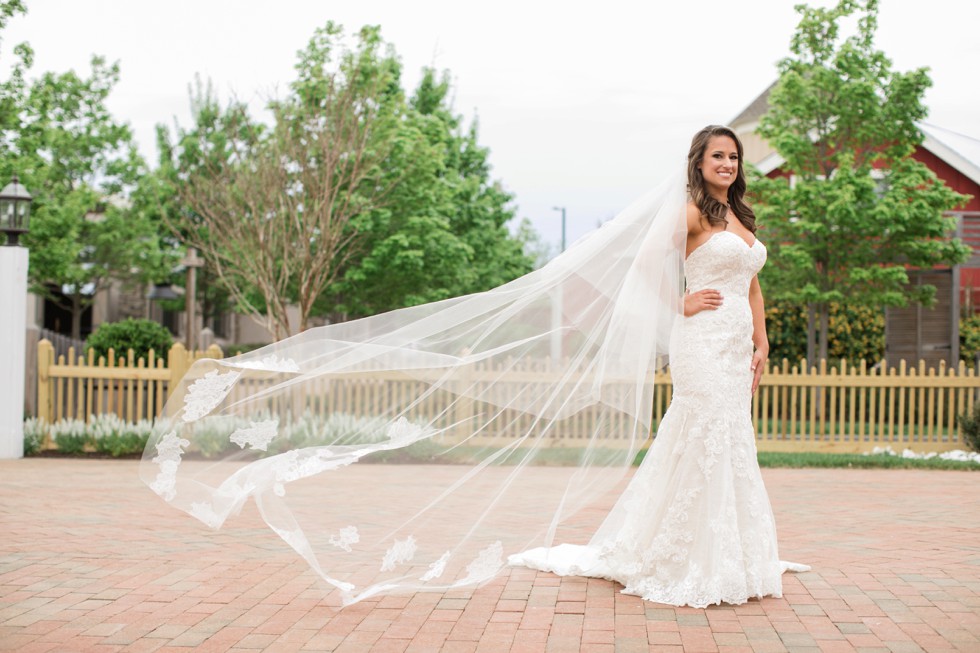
206 393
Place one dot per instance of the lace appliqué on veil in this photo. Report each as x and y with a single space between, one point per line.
206 514
487 564
206 393
437 568
347 536
258 435
169 453
401 551
402 433
271 363
292 466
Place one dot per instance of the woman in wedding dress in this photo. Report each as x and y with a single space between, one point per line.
536 398
694 526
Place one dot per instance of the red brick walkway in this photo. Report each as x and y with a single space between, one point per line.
90 560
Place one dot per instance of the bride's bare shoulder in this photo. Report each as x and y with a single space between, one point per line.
695 223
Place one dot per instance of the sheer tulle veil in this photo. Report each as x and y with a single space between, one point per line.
418 448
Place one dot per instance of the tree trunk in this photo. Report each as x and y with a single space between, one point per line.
824 329
811 334
76 316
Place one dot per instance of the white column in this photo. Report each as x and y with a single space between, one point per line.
13 316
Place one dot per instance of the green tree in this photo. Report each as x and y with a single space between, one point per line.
12 88
444 231
859 211
271 207
79 163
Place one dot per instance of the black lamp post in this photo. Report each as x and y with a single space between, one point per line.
15 211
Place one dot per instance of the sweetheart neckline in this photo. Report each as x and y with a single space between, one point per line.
718 233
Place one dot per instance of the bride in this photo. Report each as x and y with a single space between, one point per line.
516 409
694 526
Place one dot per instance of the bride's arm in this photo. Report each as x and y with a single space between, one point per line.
759 337
708 299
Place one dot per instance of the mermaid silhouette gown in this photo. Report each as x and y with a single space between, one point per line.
694 526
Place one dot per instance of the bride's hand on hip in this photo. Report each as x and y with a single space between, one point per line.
702 300
758 365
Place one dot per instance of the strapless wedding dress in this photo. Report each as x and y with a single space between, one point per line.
694 526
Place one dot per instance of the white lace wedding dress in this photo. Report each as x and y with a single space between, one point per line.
694 527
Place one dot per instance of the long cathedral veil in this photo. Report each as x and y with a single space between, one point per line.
515 408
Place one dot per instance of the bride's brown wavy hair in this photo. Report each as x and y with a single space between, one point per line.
713 210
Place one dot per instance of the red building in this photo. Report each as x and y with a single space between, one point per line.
913 333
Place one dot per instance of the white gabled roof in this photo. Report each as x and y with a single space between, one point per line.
958 150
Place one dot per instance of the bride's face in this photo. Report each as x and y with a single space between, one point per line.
719 165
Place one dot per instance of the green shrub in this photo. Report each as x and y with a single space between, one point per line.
970 339
34 430
71 436
855 332
234 350
970 427
139 335
105 434
114 437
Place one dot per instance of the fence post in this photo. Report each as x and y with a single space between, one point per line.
177 364
45 359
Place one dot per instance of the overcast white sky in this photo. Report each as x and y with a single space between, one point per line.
584 105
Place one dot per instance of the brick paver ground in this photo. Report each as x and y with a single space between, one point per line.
90 560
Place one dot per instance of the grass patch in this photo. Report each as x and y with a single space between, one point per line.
884 461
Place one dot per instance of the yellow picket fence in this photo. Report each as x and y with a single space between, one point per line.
79 387
853 408
828 407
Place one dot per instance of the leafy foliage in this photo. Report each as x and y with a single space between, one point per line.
444 231
79 163
139 335
35 431
859 210
103 434
270 207
970 427
399 210
856 332
970 339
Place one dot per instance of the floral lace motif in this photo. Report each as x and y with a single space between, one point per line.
401 551
169 453
258 435
437 568
206 393
294 465
402 433
271 363
347 536
487 563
